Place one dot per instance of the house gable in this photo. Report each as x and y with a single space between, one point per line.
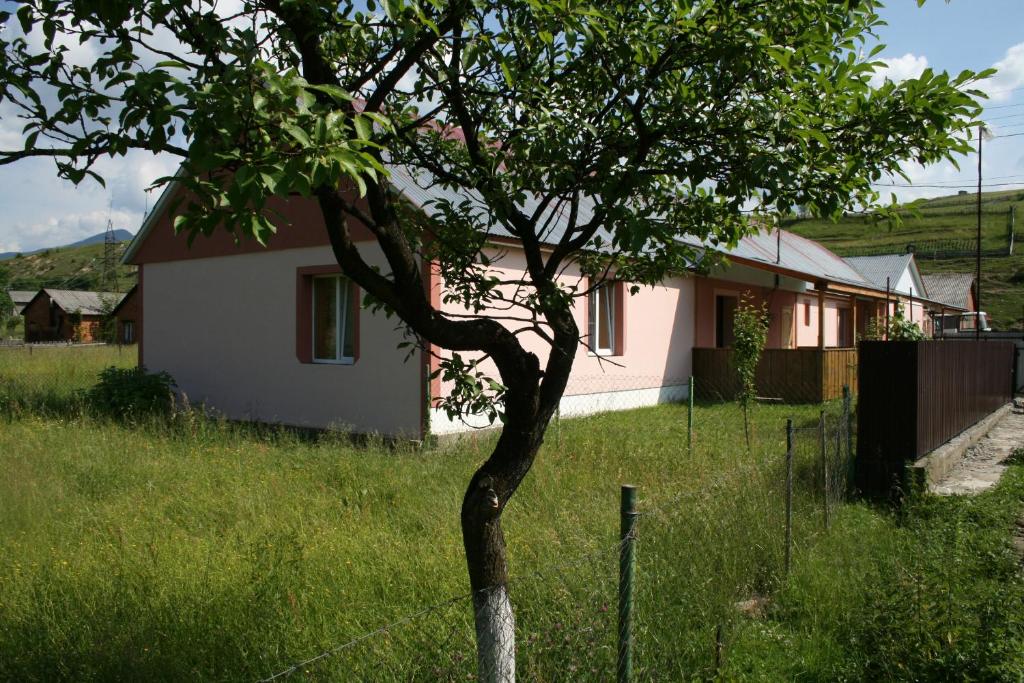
157 242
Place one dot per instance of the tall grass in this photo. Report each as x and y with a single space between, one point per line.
45 379
193 548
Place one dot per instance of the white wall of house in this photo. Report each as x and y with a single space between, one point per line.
225 329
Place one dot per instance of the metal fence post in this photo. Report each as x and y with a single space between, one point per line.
824 463
848 414
627 570
689 418
839 452
789 494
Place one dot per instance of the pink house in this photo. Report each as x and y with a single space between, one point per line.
278 334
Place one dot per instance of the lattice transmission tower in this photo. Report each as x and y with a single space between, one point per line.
109 275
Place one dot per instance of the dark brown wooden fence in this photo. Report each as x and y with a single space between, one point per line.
915 396
793 375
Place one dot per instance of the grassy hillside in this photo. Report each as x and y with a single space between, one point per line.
64 268
935 224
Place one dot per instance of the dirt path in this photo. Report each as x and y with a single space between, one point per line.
982 465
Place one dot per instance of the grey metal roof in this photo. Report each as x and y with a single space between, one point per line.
20 298
876 269
782 249
86 303
950 288
419 188
798 254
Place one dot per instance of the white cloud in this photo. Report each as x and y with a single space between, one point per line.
71 227
898 69
1009 75
42 211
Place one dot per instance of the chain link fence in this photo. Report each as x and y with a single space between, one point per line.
606 614
45 378
659 595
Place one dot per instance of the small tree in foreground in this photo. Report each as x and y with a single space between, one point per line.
750 334
635 123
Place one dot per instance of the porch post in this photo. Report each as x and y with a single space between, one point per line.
887 290
821 315
853 320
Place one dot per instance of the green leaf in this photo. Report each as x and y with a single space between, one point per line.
25 18
172 64
297 134
364 129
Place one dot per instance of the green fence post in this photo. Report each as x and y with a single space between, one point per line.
689 418
627 570
789 495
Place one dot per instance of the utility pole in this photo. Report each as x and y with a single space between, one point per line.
977 277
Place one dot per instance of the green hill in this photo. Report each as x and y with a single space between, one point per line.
942 232
64 268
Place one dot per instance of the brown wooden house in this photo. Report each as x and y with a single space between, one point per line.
67 315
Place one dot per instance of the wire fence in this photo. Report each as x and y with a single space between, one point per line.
660 595
606 614
45 378
932 249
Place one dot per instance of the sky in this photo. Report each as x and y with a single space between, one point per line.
38 210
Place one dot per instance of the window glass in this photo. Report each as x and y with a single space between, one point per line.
348 328
602 319
325 318
334 329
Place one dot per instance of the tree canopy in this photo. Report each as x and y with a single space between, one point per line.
642 127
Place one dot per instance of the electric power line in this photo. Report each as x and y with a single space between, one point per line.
1005 116
946 187
1006 106
1000 92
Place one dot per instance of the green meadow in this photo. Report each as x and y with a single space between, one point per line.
187 548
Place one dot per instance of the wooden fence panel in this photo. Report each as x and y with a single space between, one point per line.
915 396
839 369
792 375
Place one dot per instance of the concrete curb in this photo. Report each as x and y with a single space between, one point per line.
935 465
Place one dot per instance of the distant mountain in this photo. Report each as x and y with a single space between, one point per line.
99 238
119 236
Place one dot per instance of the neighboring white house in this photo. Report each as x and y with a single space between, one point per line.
898 273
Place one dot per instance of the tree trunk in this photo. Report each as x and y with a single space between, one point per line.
485 499
495 635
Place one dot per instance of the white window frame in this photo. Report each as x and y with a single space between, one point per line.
596 318
342 320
